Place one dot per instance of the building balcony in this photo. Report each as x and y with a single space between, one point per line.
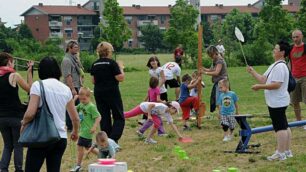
55 24
146 22
85 34
56 35
85 22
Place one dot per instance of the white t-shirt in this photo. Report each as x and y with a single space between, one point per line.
159 109
171 70
57 96
156 73
221 49
279 97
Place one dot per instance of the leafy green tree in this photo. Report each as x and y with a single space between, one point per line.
301 17
6 33
152 37
244 21
115 30
24 32
51 48
181 30
226 32
207 33
274 22
96 40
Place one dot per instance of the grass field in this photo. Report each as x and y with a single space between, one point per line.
207 151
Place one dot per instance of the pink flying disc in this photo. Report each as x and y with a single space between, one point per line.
185 140
107 161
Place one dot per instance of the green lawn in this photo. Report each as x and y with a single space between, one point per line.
206 152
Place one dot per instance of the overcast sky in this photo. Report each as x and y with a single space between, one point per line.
10 10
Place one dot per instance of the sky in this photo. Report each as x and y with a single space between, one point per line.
10 12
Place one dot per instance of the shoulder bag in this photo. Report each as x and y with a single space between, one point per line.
41 131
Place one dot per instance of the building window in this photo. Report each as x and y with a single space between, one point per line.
68 33
68 20
142 17
130 43
37 30
162 19
151 17
214 17
36 17
128 19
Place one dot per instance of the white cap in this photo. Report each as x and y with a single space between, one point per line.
176 105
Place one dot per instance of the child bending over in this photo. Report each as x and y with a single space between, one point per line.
152 96
154 111
104 146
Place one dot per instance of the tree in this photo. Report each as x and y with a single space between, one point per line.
6 33
115 30
301 17
152 37
225 31
208 33
274 22
181 30
24 32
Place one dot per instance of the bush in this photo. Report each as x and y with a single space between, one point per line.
256 54
87 60
142 51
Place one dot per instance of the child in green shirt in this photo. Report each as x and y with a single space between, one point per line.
90 119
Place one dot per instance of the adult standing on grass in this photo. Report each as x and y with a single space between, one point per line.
11 110
217 71
178 54
297 58
106 75
59 99
72 72
274 82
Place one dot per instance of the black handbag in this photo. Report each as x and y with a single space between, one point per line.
41 131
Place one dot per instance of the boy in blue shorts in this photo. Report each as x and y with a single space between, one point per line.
90 120
227 105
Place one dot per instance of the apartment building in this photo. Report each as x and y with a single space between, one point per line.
64 22
78 22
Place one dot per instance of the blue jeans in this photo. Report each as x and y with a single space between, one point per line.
10 130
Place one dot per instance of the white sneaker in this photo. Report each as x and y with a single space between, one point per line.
141 121
163 135
288 154
150 141
139 134
76 169
304 127
226 138
277 156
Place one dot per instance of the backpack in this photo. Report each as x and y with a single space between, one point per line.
291 81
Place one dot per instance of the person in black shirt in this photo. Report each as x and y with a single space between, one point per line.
11 110
107 74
